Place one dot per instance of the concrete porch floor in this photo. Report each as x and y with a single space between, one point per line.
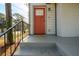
48 45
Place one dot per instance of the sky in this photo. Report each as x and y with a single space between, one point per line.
2 8
20 8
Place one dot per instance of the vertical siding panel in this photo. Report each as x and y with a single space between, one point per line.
51 19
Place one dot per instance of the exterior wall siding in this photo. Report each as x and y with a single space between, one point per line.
51 19
68 20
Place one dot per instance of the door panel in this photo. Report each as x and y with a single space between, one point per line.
39 20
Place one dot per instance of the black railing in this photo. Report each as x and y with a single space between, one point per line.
19 32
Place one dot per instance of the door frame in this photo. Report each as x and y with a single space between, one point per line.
40 6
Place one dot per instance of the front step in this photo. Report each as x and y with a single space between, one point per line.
37 49
42 44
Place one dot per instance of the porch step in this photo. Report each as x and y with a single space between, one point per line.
34 44
37 49
68 46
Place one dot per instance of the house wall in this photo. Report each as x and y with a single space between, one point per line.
50 18
68 20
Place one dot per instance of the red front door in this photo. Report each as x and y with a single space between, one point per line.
39 20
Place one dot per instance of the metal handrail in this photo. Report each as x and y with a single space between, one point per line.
15 32
10 28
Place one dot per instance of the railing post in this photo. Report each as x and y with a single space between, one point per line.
5 43
22 31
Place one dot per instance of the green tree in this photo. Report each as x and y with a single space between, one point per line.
2 19
18 17
2 16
